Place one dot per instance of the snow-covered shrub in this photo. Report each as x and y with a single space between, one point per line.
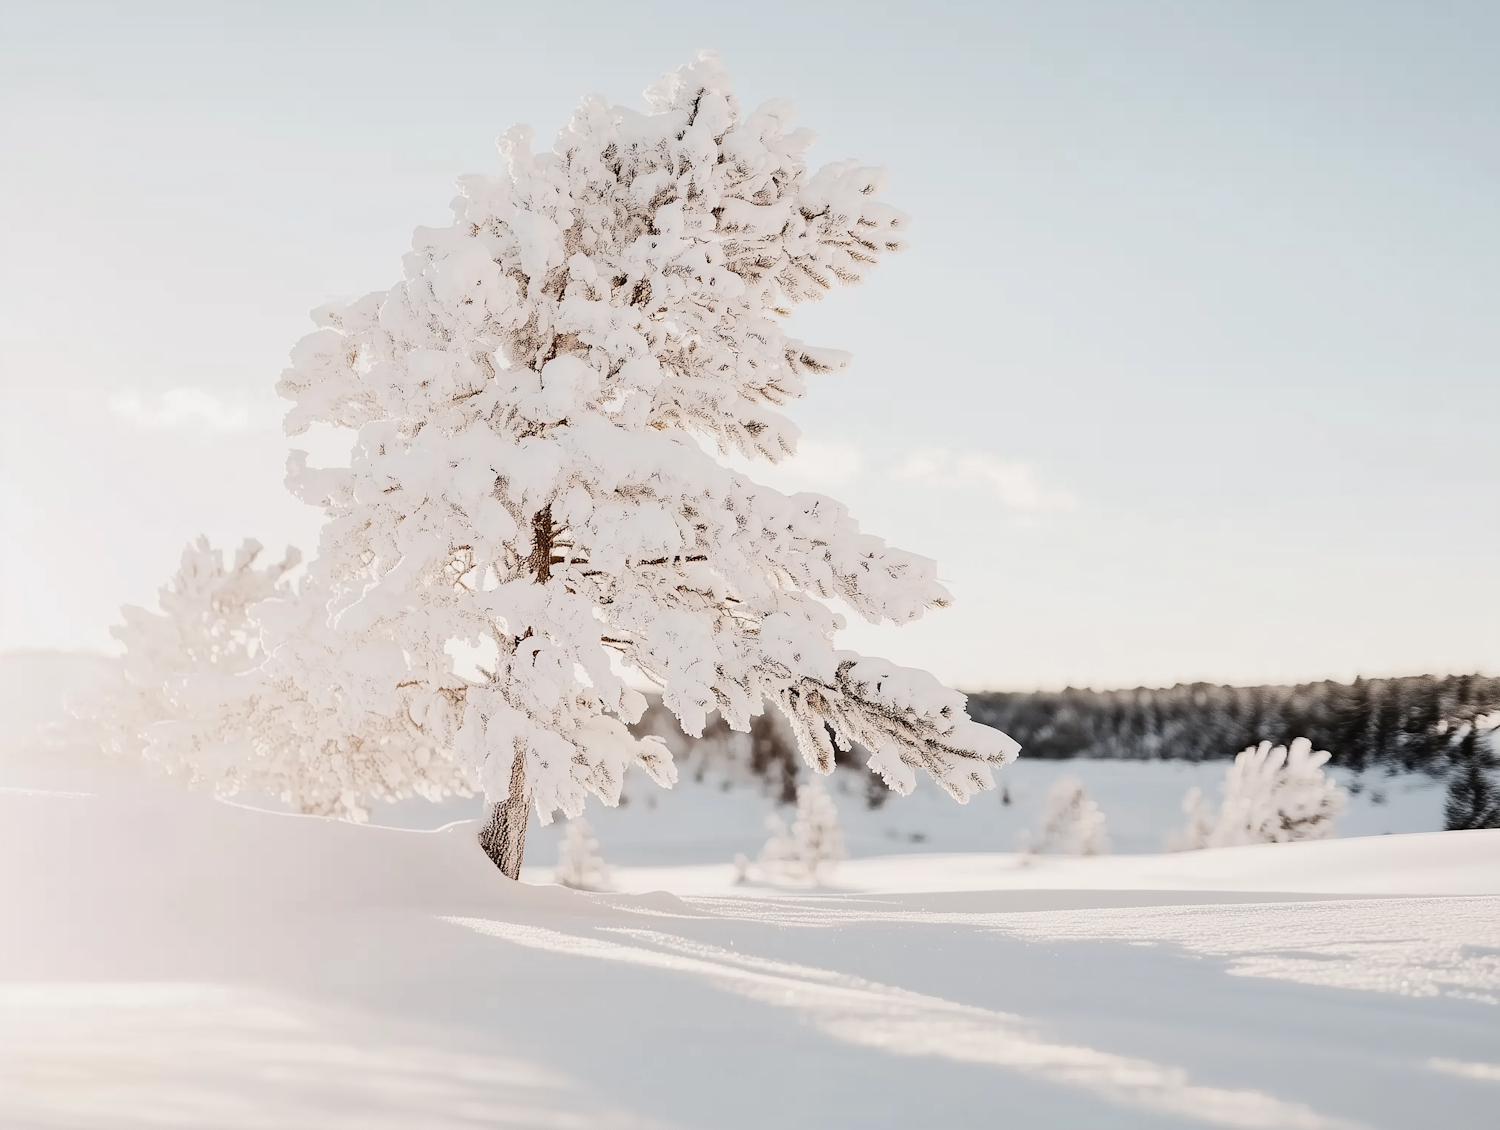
778 856
1271 795
527 478
579 864
812 845
816 832
1070 822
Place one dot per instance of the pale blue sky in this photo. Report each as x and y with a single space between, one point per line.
1193 370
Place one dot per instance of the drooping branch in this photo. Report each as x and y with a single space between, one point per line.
953 749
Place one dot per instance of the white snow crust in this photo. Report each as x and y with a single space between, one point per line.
170 960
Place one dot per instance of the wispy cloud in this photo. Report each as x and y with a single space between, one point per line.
818 466
1014 483
181 409
831 463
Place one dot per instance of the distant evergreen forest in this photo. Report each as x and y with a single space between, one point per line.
1417 723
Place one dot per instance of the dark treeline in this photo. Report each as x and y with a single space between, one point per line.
1417 723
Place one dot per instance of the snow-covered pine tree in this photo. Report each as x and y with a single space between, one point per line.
813 843
528 477
778 855
1271 795
579 863
815 832
1473 800
1070 821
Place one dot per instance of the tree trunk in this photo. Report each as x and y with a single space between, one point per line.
543 534
504 837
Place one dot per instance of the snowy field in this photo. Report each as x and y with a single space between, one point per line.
709 821
168 960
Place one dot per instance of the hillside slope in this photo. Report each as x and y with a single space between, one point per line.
167 960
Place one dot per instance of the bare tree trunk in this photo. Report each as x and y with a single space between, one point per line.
543 535
504 837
